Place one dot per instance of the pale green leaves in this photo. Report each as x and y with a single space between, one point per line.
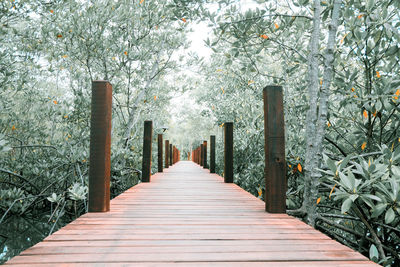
373 253
389 216
355 183
348 181
54 198
77 192
346 205
378 210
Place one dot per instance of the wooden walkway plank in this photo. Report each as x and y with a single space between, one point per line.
188 217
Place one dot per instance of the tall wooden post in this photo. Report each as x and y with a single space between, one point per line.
146 163
173 154
201 155
198 155
176 155
100 147
228 152
205 154
166 153
160 152
275 165
170 155
212 154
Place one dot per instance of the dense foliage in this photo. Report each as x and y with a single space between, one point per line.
51 53
356 193
52 50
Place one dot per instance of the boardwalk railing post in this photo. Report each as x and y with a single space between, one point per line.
275 166
205 154
160 152
146 163
201 155
166 153
100 147
170 155
228 152
198 155
212 154
173 152
176 155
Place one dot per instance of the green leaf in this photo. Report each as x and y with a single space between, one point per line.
378 210
353 197
344 162
389 216
331 164
347 181
373 197
373 253
346 205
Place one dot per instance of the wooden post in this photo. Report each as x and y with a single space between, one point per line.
201 155
173 154
166 153
205 154
100 147
176 155
275 165
198 155
160 152
228 153
170 155
212 154
146 163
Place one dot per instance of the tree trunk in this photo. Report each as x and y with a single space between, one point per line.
310 191
315 140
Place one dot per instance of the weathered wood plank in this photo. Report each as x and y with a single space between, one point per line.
218 264
188 217
188 257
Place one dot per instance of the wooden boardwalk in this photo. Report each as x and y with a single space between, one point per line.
188 217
